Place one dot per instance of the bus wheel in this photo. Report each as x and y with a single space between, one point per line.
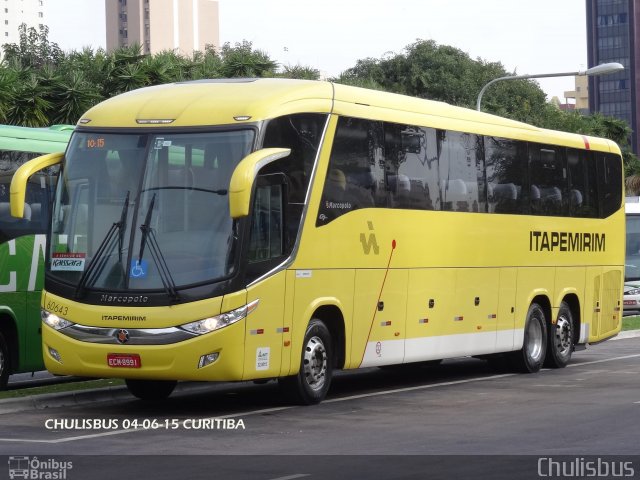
531 357
4 363
151 390
560 346
312 382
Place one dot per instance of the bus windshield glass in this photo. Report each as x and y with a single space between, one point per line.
632 262
138 211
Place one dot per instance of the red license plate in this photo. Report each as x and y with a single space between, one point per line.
120 360
630 302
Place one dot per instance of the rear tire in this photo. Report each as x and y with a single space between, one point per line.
311 384
5 363
151 390
530 357
561 338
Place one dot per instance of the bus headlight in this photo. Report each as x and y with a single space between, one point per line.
210 324
54 321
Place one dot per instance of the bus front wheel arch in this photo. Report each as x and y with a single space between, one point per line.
311 384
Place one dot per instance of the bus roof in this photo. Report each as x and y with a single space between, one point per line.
237 101
37 140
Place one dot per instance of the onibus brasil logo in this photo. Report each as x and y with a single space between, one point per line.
40 469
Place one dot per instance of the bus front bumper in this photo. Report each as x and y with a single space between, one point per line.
184 360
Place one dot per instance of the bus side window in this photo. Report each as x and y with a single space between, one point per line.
609 169
355 172
506 172
547 180
411 166
301 133
267 237
461 172
583 195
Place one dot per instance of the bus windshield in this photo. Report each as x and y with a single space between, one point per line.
632 261
141 211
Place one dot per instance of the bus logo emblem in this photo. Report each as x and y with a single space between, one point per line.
371 242
122 336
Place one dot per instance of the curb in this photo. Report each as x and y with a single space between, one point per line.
83 397
63 399
627 334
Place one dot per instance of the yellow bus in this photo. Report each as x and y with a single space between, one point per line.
255 229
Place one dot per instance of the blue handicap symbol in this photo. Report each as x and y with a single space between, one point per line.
139 269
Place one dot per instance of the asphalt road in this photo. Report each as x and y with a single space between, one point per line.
457 419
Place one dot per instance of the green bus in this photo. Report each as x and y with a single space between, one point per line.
22 243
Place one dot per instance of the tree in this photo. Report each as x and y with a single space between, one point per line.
242 61
33 48
428 70
300 72
444 73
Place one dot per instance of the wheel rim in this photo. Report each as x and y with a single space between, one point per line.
563 336
315 363
534 339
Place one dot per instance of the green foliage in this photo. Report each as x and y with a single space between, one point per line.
41 85
242 61
29 106
428 70
300 72
33 49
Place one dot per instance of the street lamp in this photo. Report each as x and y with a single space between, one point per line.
602 69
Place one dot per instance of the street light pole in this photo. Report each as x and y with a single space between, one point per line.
602 69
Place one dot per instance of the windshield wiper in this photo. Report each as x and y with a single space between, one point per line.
219 191
99 260
161 264
122 229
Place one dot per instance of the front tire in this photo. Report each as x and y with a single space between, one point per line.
5 363
561 339
151 390
311 384
530 358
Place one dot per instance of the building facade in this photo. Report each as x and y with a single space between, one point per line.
13 13
613 35
158 25
580 94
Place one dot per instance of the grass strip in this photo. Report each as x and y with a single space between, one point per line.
61 387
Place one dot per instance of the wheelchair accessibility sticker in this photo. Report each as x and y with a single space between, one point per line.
139 269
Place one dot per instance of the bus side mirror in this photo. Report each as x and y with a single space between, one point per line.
19 181
244 176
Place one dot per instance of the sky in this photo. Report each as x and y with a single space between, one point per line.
532 37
